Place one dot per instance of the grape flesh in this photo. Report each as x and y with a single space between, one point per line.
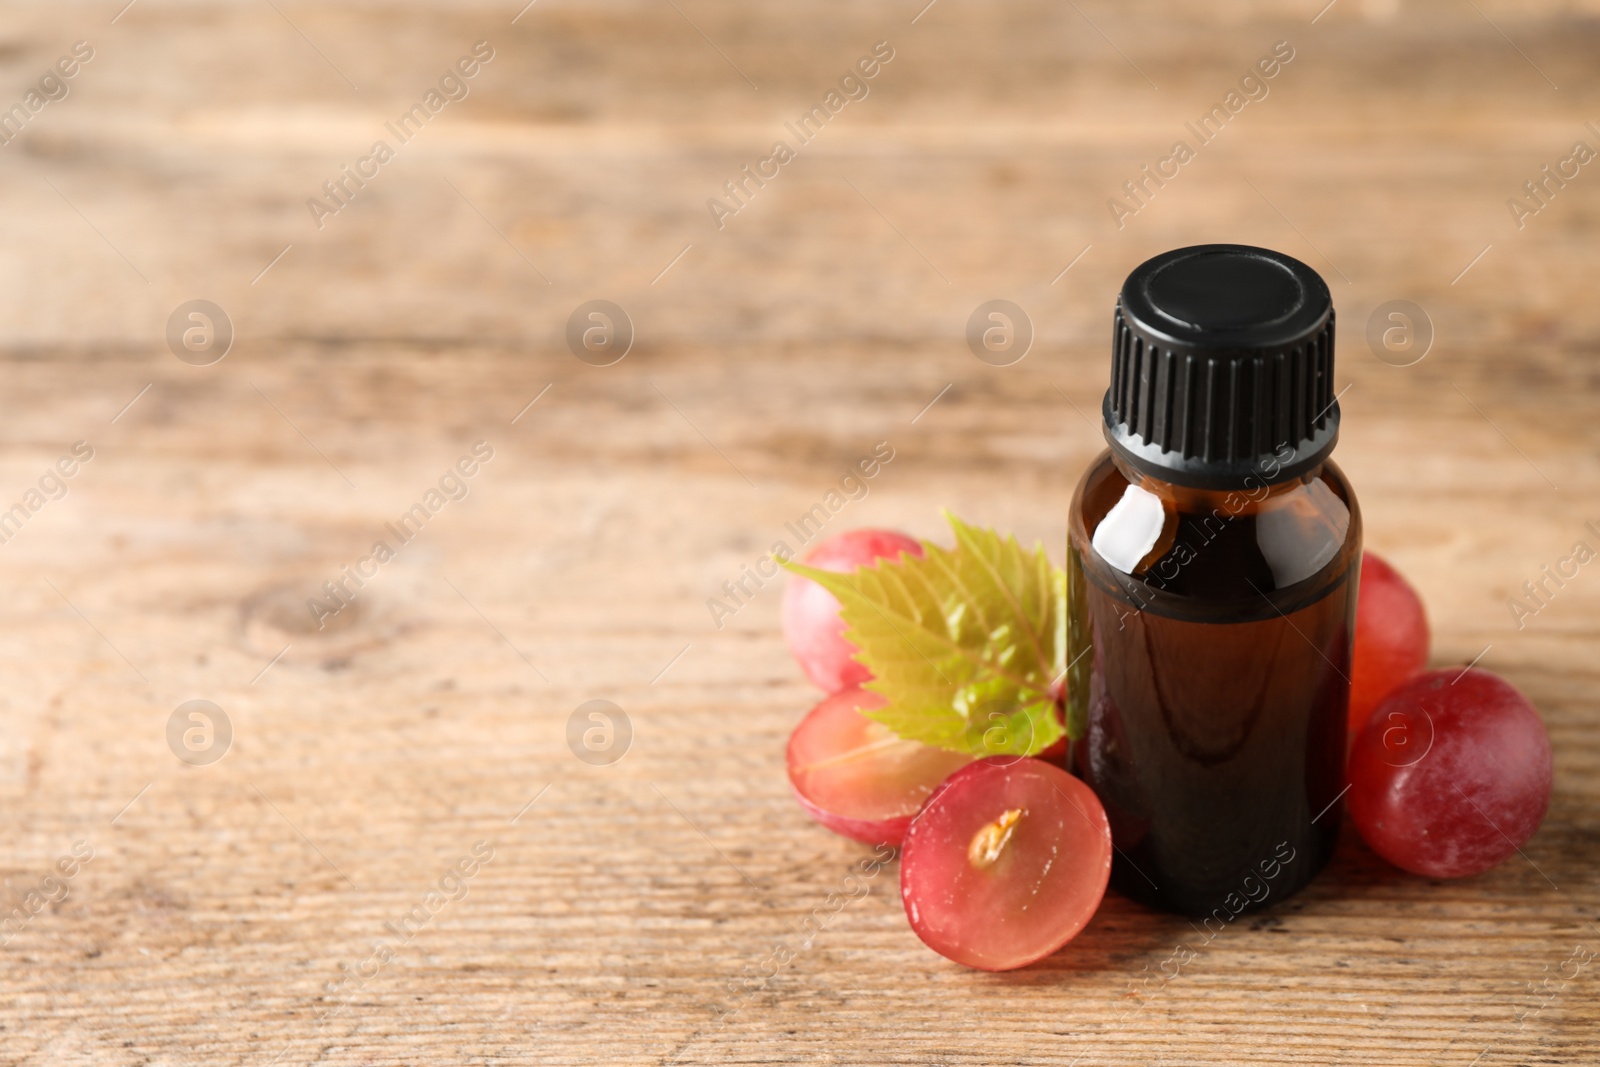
1005 863
1391 644
1451 775
856 777
811 623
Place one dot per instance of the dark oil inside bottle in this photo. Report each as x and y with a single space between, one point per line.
1213 677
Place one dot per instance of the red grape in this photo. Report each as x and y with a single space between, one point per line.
1451 775
1391 638
811 623
856 777
1005 863
1059 753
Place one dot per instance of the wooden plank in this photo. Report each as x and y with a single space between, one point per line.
230 912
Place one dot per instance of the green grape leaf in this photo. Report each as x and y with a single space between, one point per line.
964 643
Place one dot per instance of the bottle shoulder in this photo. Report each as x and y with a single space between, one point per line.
1185 551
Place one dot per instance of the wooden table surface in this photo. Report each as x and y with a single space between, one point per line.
283 904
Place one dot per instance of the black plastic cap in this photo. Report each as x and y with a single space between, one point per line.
1222 368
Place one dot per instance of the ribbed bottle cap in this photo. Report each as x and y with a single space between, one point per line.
1222 368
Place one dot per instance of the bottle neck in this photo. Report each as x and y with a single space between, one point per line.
1254 489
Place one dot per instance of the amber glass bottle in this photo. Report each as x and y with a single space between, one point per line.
1213 555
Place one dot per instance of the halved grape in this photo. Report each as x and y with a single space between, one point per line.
1005 863
811 623
856 777
1391 644
1451 775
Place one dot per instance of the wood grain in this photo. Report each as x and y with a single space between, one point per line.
229 913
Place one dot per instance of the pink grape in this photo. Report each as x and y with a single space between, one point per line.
1391 644
1451 775
811 623
856 777
1005 863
